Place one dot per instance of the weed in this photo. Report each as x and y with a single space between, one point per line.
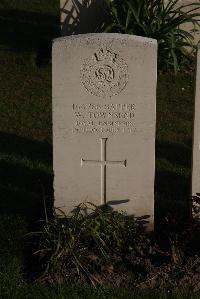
83 244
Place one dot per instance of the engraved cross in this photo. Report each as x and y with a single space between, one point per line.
103 163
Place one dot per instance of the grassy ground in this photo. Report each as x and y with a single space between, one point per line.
26 30
175 100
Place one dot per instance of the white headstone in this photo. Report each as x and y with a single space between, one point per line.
104 115
196 136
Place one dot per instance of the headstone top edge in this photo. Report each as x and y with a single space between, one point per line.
139 39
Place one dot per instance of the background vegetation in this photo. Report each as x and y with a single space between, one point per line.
157 19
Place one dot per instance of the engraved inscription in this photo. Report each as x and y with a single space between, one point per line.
103 118
105 74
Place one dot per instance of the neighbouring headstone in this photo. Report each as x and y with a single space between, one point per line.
196 142
190 27
80 16
104 116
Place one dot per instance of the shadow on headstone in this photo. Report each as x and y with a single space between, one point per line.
26 179
141 221
81 16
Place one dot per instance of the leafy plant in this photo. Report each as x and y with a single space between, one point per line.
157 19
83 244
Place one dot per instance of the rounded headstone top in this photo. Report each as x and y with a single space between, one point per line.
136 38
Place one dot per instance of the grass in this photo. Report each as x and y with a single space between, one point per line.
26 30
175 101
38 291
25 108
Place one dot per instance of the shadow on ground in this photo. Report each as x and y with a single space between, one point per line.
23 31
173 189
24 183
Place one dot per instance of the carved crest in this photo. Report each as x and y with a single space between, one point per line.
105 74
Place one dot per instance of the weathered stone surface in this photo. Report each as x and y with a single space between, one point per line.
104 114
196 138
